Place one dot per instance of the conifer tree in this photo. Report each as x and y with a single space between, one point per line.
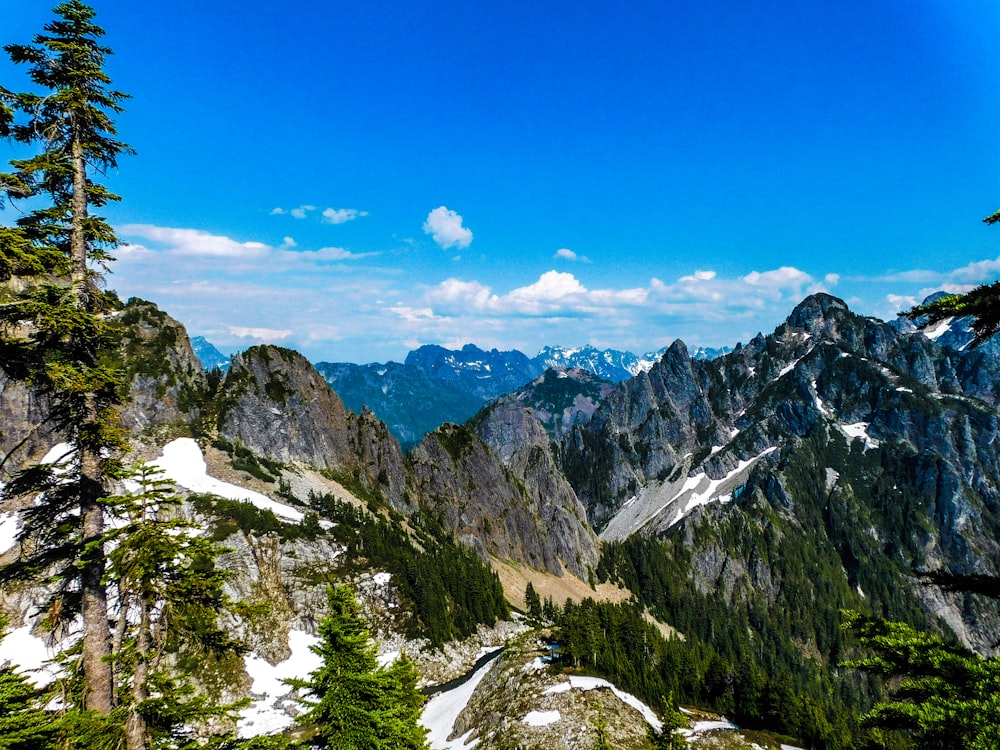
55 330
24 724
169 597
982 304
358 705
945 697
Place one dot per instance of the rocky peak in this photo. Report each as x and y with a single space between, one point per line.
821 315
278 405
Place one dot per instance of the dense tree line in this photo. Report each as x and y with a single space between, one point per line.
451 589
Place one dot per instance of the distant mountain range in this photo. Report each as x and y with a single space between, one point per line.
435 385
208 355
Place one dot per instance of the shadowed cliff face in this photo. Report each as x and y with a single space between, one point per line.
485 503
276 404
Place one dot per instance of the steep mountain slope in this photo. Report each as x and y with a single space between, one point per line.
276 404
499 509
839 432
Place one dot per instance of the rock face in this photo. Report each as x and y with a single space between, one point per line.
275 403
479 499
167 381
515 435
832 417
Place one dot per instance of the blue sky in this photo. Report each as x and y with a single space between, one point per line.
355 180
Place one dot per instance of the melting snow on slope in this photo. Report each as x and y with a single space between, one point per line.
683 495
541 718
939 330
591 683
859 430
703 490
265 716
443 709
183 463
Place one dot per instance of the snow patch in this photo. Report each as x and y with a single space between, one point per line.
264 716
859 430
382 579
541 718
593 683
30 655
183 463
703 490
682 495
443 709
9 526
939 330
384 660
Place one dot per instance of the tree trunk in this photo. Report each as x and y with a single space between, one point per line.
94 595
77 238
135 725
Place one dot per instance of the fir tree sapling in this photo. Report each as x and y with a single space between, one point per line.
356 704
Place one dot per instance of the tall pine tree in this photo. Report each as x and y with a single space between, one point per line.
56 332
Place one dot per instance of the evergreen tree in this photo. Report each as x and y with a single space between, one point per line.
24 724
532 602
982 304
169 597
945 697
358 705
55 329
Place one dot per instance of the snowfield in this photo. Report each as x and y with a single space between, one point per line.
679 497
183 463
266 715
443 709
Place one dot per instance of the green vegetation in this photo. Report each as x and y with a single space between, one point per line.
357 705
944 696
451 590
244 459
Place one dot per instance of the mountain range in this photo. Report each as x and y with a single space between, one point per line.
695 528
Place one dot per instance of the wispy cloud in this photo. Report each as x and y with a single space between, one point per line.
341 215
195 241
260 334
252 256
445 227
564 253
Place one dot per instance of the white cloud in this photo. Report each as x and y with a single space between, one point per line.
278 212
778 280
253 256
301 211
341 215
900 302
260 334
698 276
446 228
832 279
566 254
196 242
